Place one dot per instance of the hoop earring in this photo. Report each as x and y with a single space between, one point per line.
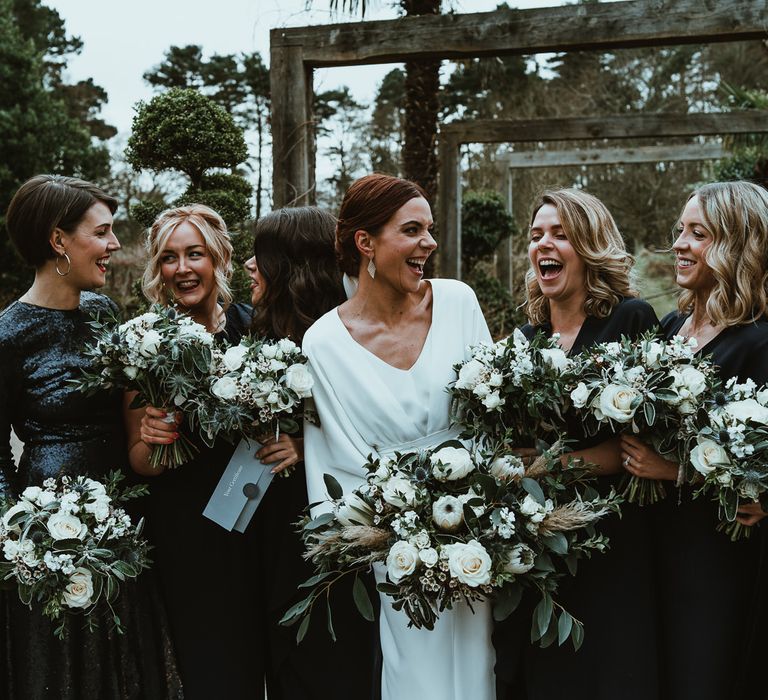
69 265
371 268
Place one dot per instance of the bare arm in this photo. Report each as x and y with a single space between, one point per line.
144 428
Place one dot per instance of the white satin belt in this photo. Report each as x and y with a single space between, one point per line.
420 443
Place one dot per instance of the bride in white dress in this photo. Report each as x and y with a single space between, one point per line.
382 362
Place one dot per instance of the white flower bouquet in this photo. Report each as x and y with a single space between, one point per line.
69 544
257 388
163 355
730 452
648 387
513 391
453 526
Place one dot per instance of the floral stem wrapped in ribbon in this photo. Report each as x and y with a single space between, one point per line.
453 526
163 355
645 386
730 451
513 391
257 388
68 545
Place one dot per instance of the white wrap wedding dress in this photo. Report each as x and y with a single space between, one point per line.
367 406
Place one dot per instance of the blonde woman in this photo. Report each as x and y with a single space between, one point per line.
208 575
578 286
709 645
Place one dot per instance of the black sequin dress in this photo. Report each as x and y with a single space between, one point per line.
65 432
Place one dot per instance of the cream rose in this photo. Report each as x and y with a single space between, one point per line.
616 402
299 379
469 563
451 463
31 493
747 409
99 507
580 395
399 492
150 343
428 556
707 455
508 467
20 507
65 526
225 388
469 374
520 559
78 593
402 560
233 358
556 359
653 353
493 400
448 513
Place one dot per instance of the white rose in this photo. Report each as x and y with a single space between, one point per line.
481 391
287 345
402 560
95 487
451 463
65 526
580 395
428 556
150 343
99 507
269 351
31 493
420 539
520 559
45 498
20 507
747 409
266 387
10 549
399 492
495 380
448 513
690 379
616 402
28 555
470 374
653 353
493 400
354 508
299 379
519 339
196 331
79 591
469 563
225 388
508 467
707 455
556 358
276 365
233 358
131 372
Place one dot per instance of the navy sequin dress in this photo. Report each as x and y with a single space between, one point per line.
65 432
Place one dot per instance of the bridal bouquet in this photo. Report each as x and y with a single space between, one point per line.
648 387
69 545
513 391
449 526
163 355
731 451
257 387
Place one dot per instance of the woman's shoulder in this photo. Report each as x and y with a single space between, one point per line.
12 319
454 289
754 334
238 324
322 331
94 303
635 307
672 320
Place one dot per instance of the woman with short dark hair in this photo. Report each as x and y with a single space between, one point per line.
62 226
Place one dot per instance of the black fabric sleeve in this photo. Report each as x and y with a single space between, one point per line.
7 393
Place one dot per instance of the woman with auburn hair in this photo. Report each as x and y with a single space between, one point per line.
207 574
381 363
62 226
578 286
712 590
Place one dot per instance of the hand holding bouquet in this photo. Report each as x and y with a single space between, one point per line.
164 356
68 545
452 526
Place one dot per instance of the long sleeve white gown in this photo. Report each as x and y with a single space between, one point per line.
367 406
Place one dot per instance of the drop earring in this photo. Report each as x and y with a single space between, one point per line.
371 268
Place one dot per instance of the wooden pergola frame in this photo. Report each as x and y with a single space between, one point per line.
453 135
296 52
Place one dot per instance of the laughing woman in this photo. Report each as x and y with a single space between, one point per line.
713 648
62 227
578 286
206 573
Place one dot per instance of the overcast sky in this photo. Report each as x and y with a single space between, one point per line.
124 39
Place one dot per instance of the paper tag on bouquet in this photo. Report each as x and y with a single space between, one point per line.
240 489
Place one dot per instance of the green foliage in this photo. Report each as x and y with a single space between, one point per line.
184 130
485 223
747 163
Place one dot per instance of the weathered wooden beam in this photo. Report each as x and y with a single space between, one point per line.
610 156
609 127
293 133
610 25
449 209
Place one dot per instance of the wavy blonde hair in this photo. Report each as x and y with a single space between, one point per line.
214 232
736 214
593 233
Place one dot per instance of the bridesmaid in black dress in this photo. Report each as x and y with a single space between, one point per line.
206 573
63 227
712 609
579 286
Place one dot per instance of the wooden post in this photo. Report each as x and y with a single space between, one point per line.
504 249
449 208
293 133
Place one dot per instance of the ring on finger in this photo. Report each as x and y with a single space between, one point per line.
627 461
